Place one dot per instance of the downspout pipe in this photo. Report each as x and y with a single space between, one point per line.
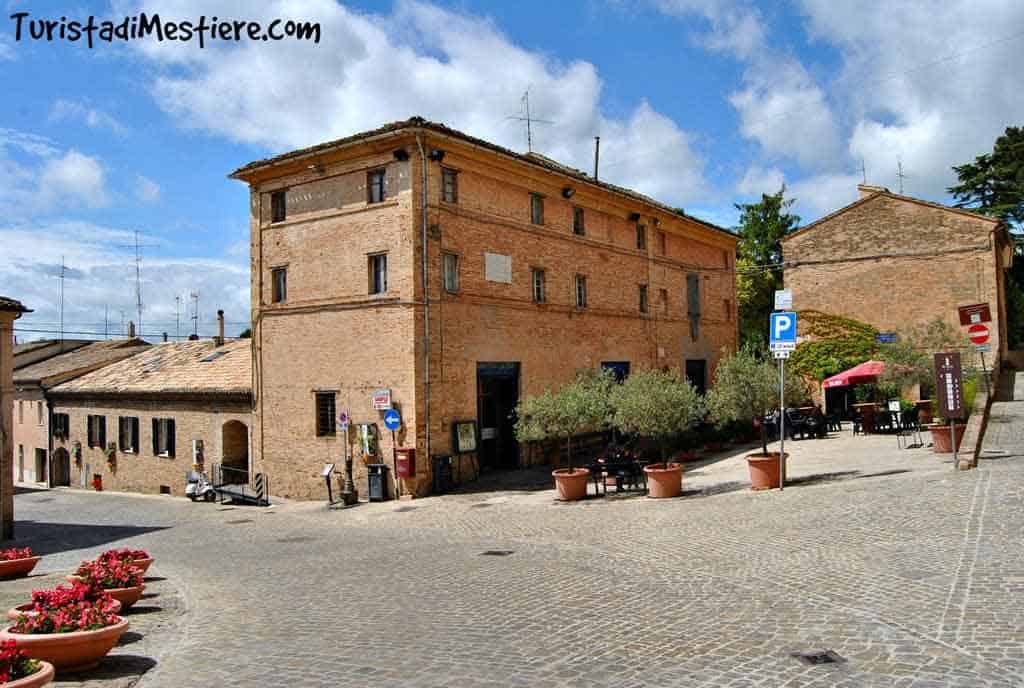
426 295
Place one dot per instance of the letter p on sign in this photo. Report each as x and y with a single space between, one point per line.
782 325
782 331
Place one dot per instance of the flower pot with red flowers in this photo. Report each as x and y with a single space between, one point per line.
62 596
139 558
17 670
120 580
17 562
71 638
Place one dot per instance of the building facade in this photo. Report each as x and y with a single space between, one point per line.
141 424
33 428
10 310
531 271
897 262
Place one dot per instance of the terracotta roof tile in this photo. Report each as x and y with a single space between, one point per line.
82 360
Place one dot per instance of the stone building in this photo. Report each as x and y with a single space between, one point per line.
898 262
33 428
10 310
141 423
532 270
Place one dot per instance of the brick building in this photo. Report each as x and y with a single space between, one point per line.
10 310
897 262
33 438
533 270
148 411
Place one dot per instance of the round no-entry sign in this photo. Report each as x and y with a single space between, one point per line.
978 333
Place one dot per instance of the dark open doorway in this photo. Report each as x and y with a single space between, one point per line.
497 388
697 373
61 468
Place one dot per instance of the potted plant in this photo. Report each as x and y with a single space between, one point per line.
139 558
119 579
72 637
17 670
45 600
16 562
746 388
582 405
942 442
111 454
657 405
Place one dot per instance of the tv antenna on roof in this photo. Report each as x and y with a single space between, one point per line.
195 315
526 117
899 174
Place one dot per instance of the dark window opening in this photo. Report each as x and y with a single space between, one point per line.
61 426
97 431
536 209
641 237
581 291
128 434
451 272
279 285
163 437
643 298
620 369
375 186
662 243
696 374
577 222
693 304
378 267
325 414
449 185
278 209
539 281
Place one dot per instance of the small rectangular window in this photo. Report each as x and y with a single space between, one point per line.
279 285
39 413
581 291
325 425
577 222
643 298
663 295
375 186
21 412
61 425
641 237
536 209
96 431
449 185
378 268
128 434
451 272
163 437
538 279
662 243
278 209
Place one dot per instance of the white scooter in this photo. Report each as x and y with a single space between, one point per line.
199 487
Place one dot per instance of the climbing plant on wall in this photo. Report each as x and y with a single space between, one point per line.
831 344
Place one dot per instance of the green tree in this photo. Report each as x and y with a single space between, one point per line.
747 387
758 261
994 183
655 404
245 334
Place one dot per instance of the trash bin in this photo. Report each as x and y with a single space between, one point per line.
442 472
377 476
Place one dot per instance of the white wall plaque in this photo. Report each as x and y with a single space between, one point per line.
498 268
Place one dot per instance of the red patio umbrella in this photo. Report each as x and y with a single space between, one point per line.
866 372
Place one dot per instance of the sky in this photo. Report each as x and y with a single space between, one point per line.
700 103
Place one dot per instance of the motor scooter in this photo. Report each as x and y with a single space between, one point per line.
199 487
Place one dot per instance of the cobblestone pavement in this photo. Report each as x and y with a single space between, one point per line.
912 578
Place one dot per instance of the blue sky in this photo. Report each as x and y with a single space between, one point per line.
700 103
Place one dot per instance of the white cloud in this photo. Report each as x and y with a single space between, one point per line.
146 190
6 49
370 69
100 274
73 178
821 194
95 119
760 180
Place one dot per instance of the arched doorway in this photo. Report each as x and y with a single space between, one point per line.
61 469
235 449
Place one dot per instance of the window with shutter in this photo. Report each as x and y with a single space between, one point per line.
693 304
170 437
278 211
324 414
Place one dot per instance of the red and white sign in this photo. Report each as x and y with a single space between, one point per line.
381 399
978 333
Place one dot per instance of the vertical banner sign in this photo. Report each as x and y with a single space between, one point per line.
949 387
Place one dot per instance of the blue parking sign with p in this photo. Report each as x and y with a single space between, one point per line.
782 331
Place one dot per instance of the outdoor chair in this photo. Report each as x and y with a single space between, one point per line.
795 424
833 423
909 428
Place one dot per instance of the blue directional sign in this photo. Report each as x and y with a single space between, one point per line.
392 419
782 331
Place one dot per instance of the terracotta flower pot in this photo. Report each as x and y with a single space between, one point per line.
14 612
942 443
126 596
73 651
18 568
764 470
664 480
571 484
42 676
142 564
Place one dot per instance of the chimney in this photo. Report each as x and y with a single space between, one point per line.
869 189
220 328
131 330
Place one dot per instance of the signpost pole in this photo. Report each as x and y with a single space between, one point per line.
348 492
394 465
984 372
952 436
782 423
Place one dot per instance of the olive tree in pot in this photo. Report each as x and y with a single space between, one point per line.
746 388
657 405
580 406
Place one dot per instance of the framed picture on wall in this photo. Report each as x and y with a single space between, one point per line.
464 436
